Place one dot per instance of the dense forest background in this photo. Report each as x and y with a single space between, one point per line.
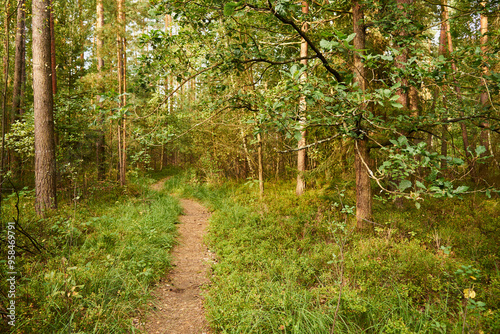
361 109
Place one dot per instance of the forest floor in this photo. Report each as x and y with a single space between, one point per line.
178 301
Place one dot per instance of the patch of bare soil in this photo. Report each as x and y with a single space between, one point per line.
178 304
159 185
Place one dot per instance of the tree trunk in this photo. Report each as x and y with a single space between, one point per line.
363 186
53 49
4 95
484 94
101 139
122 149
19 69
402 58
19 62
45 158
247 153
362 153
442 52
261 165
99 28
465 138
302 153
413 101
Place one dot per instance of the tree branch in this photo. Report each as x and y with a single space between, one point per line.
308 40
272 62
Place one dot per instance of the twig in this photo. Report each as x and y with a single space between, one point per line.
18 226
308 40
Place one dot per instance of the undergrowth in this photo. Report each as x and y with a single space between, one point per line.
284 264
94 261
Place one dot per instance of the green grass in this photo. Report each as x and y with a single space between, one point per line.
279 263
101 259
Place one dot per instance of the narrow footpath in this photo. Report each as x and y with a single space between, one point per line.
178 304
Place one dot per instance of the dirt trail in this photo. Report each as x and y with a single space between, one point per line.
178 304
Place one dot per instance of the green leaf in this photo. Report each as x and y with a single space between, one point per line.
339 34
457 161
417 205
420 184
298 135
460 190
325 44
397 105
403 185
480 150
229 8
350 37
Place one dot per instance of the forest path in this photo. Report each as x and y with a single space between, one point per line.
178 303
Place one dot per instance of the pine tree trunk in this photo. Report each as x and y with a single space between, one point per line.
465 138
5 119
99 28
122 149
45 158
402 58
302 153
53 50
442 52
484 94
19 68
19 61
101 139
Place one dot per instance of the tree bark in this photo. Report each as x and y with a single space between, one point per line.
413 101
99 29
19 62
248 158
302 153
101 140
484 94
122 125
53 50
45 158
364 200
465 138
402 58
5 119
442 52
261 165
19 69
362 153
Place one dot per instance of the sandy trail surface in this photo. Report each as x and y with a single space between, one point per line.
178 303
